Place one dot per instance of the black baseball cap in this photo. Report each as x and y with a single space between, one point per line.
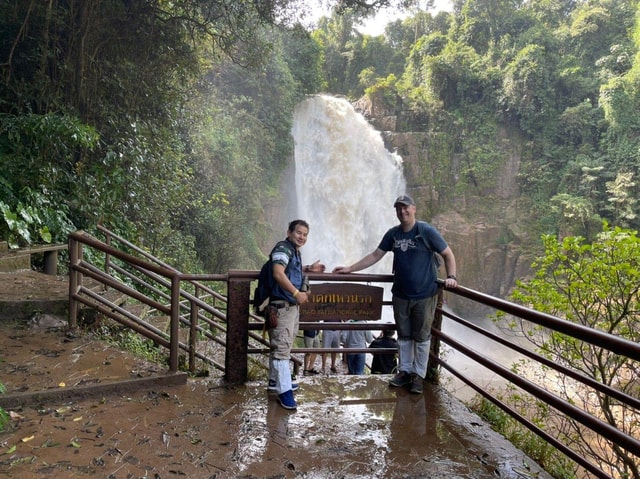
403 200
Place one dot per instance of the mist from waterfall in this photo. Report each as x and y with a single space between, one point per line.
346 182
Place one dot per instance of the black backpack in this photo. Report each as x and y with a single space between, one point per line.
266 282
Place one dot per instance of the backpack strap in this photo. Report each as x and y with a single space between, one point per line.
422 234
266 281
435 256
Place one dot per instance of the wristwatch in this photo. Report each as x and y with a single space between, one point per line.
452 276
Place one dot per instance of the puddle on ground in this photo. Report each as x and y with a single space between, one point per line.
353 427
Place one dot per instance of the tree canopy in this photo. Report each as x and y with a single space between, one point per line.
137 114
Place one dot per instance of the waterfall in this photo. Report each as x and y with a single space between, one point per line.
346 182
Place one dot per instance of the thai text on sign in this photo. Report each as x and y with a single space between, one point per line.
343 301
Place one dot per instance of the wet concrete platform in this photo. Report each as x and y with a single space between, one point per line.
349 426
345 427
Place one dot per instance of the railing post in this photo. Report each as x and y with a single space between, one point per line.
75 280
51 262
107 256
175 324
432 365
238 292
193 333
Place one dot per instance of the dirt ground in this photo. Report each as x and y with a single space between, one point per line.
24 286
345 426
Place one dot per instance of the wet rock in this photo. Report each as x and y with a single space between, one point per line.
47 321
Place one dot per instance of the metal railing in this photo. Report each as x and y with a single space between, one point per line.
607 342
564 406
160 287
184 301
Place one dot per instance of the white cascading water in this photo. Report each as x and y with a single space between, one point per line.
346 182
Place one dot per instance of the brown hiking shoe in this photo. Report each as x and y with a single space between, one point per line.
416 384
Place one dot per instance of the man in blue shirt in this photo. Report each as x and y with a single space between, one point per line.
286 297
413 244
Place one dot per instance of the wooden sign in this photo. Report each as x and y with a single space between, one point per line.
343 301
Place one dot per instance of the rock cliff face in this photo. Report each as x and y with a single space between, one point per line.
486 230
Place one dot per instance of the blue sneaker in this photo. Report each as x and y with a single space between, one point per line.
272 386
286 400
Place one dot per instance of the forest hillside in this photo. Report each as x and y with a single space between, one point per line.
169 122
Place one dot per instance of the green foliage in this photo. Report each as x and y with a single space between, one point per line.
414 84
579 125
343 55
384 88
623 201
243 147
129 340
578 213
172 124
527 88
4 419
531 444
482 156
595 285
22 226
152 82
303 56
618 108
37 160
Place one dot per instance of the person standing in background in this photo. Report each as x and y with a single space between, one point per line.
311 340
330 339
287 298
356 338
384 363
414 287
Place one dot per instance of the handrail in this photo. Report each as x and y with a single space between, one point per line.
94 273
615 344
160 283
150 257
605 429
604 388
240 326
49 253
85 238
